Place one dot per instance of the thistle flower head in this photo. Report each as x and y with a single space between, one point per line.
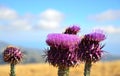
12 55
96 35
90 48
63 49
63 40
72 30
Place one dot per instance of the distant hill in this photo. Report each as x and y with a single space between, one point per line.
110 57
34 55
3 45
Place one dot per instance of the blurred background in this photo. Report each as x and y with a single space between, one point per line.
26 23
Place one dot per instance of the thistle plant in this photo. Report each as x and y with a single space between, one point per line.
13 56
63 52
90 50
72 30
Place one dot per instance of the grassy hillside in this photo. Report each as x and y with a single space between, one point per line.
98 69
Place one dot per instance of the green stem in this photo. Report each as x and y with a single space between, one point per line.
63 71
12 70
87 68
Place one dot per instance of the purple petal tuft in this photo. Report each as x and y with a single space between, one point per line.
63 40
72 30
97 35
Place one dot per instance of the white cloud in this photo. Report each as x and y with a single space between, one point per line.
108 15
10 20
109 29
29 16
50 19
16 25
7 14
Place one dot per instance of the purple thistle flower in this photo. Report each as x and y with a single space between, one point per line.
89 48
63 49
97 35
12 55
63 40
72 30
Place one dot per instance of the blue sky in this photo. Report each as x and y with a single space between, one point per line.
27 22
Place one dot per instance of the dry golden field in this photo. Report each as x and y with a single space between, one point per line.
98 69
